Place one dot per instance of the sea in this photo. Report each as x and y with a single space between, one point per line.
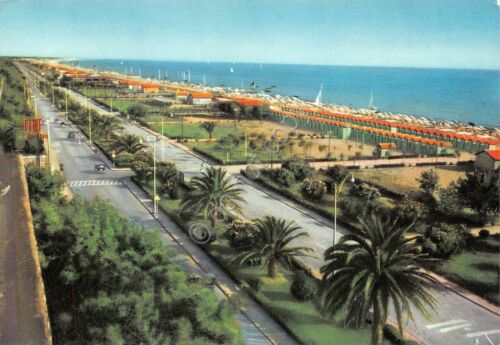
464 95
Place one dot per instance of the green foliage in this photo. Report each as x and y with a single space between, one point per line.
128 143
42 184
313 189
481 192
408 211
124 159
283 177
448 239
302 288
364 191
299 168
136 110
209 127
450 203
142 165
242 235
371 269
107 126
214 194
110 282
8 138
33 146
274 237
429 181
337 173
168 176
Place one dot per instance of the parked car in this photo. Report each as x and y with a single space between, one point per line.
71 135
100 167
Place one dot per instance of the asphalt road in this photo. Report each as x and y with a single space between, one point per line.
458 321
79 160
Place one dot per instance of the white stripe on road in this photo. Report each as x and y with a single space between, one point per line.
452 328
87 183
478 334
442 324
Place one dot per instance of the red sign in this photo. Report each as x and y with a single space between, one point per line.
33 127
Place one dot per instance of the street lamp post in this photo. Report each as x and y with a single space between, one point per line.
337 190
155 196
162 146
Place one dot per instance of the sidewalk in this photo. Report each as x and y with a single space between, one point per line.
251 311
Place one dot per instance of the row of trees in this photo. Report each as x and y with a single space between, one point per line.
14 107
372 270
110 282
478 191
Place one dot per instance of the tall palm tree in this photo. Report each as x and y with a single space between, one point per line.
368 270
128 143
108 125
214 193
273 244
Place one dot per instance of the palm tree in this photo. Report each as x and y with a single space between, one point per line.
368 270
273 244
214 193
108 125
209 127
128 143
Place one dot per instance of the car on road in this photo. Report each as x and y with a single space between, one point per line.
100 167
63 123
71 135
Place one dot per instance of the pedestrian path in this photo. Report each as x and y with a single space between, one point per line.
94 183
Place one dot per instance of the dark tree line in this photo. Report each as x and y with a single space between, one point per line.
110 282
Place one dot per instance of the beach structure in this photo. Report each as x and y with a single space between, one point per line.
383 150
199 98
488 160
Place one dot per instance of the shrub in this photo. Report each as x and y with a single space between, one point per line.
353 208
364 191
136 110
336 172
313 189
428 181
124 159
301 288
255 284
241 235
449 239
283 177
300 169
408 211
483 233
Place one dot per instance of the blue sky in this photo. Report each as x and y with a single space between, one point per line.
422 33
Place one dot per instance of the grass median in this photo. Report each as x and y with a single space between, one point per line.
302 319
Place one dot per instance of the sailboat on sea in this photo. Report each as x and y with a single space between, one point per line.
371 105
231 70
319 96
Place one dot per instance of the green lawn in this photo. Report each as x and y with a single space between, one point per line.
478 271
302 318
235 154
174 128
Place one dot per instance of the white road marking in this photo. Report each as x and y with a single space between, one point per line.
87 183
478 334
442 324
452 328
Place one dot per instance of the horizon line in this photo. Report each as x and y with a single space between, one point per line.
496 69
